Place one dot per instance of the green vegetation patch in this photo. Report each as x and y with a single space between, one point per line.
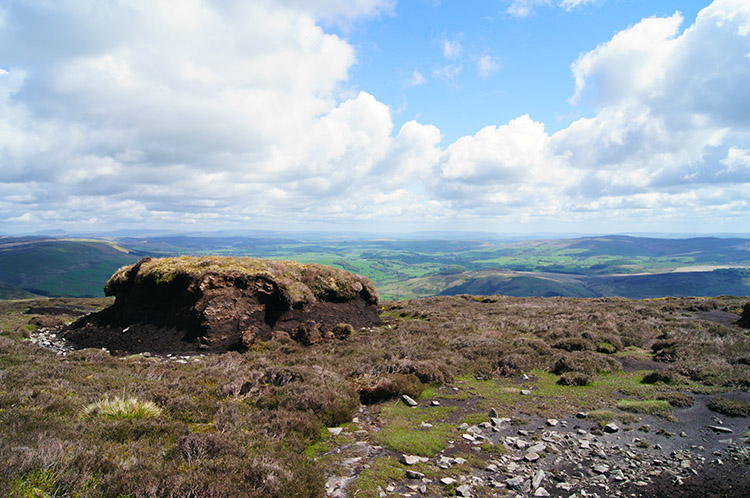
656 407
729 406
122 408
373 480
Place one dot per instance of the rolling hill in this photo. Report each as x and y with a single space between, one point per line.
59 267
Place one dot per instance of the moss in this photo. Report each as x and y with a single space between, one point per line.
299 282
651 407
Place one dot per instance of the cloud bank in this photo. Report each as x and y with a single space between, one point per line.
239 115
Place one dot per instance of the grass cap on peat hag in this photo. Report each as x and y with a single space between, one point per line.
302 282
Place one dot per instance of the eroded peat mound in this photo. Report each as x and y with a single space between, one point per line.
219 304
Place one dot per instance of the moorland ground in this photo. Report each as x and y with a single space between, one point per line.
266 422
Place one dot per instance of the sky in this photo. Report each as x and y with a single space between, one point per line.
507 116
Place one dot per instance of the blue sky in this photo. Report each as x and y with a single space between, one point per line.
514 116
527 68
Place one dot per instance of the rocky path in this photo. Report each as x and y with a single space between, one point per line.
572 457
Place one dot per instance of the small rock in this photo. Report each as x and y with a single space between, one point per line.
541 492
491 467
514 482
717 428
493 413
435 402
531 456
458 461
335 431
552 422
412 459
446 481
537 479
463 490
525 392
411 474
601 469
582 414
538 448
408 400
426 425
611 428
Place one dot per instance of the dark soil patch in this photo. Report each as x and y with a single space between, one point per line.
713 481
633 364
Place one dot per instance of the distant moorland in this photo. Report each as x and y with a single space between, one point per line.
402 268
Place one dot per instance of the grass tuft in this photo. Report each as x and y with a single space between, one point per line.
122 408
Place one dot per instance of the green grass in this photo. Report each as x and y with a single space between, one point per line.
656 407
402 431
382 472
122 408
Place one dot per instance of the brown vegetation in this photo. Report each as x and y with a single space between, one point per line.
238 424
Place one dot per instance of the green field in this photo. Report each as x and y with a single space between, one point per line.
408 268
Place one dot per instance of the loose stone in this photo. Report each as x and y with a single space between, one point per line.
463 490
408 400
611 427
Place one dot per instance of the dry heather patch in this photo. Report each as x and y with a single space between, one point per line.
238 424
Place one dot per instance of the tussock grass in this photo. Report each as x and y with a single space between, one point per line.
122 408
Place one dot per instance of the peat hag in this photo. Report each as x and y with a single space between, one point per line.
221 303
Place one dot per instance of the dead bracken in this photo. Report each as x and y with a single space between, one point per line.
224 303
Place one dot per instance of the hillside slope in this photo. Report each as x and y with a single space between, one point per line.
61 267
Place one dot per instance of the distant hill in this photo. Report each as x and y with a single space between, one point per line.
404 267
59 267
733 281
9 291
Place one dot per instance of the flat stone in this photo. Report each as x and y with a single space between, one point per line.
601 469
408 400
411 474
435 402
718 428
491 467
447 481
537 479
582 414
525 392
468 437
458 461
552 422
463 490
493 413
335 431
541 492
514 482
412 459
538 448
531 456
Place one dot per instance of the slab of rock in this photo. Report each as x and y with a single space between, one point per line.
218 303
408 400
463 490
412 459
